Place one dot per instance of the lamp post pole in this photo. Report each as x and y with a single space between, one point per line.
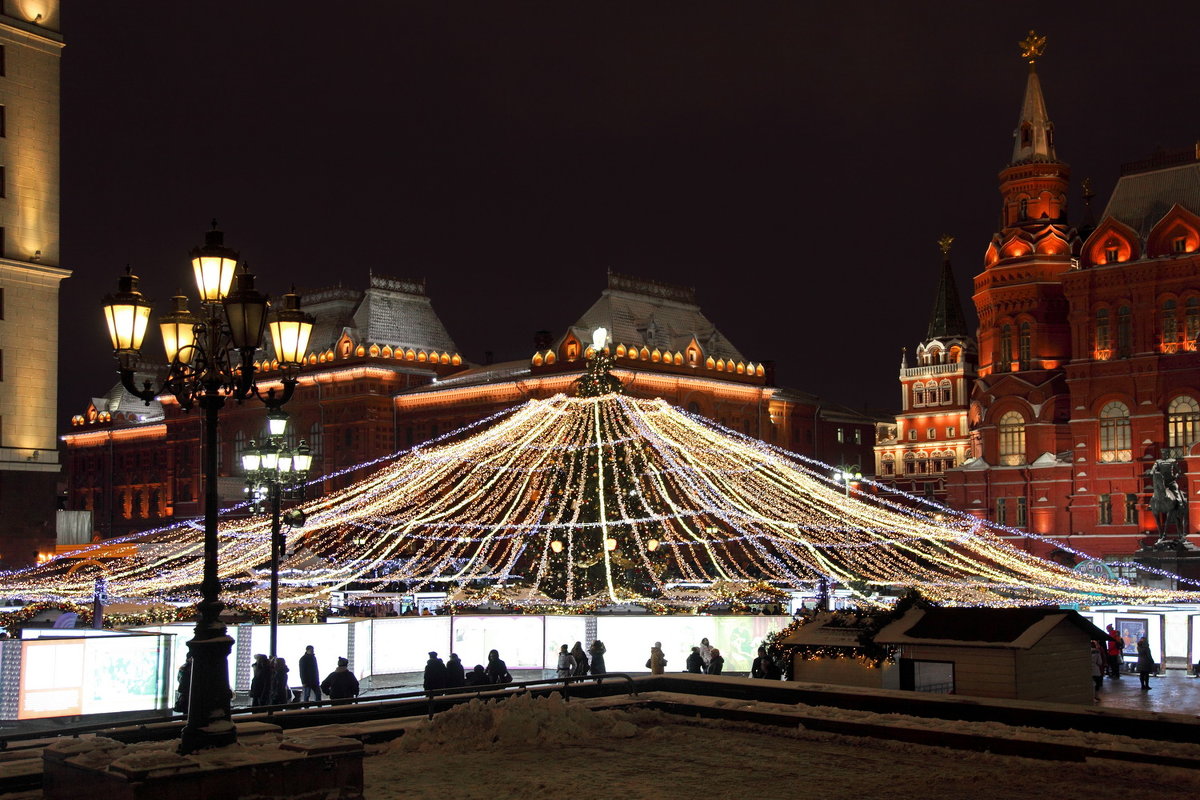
274 567
210 358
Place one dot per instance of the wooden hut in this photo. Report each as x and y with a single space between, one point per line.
828 650
1015 653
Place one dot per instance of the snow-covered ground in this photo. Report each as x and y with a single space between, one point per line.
544 748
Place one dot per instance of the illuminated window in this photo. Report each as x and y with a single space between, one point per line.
945 391
858 435
1103 336
1106 509
1170 327
1011 429
1124 333
1183 425
841 434
1114 432
918 395
1191 321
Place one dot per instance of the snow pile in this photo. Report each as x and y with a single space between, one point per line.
521 720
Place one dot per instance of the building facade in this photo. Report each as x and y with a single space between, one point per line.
930 435
1088 367
30 48
385 375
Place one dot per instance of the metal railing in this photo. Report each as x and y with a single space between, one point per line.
165 722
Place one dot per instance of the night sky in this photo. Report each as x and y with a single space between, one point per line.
794 162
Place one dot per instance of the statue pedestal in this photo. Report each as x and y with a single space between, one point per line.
1180 558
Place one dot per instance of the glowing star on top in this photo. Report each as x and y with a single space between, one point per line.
599 338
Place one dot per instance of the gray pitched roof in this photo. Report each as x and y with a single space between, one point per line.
397 313
1142 199
656 315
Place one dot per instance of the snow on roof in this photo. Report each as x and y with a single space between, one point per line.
1007 628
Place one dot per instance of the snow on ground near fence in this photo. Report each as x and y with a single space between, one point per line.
528 747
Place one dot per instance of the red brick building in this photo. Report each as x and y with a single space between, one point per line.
1087 345
385 375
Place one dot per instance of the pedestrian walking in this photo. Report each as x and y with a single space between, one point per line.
765 667
695 661
435 673
706 652
260 680
1145 663
310 676
657 662
1115 646
1099 664
581 660
281 693
497 670
597 649
716 663
454 672
566 663
340 685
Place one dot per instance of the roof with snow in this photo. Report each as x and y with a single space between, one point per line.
1019 628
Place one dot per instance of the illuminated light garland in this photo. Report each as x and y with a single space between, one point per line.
482 505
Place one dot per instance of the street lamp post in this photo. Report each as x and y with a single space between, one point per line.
270 472
847 475
211 359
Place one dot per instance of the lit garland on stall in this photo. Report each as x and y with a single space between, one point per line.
573 503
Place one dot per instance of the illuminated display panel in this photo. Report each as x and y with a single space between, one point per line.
519 639
67 677
628 639
403 645
563 630
329 643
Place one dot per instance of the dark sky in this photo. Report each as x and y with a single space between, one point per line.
794 162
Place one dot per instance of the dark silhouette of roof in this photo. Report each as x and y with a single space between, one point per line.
989 624
947 320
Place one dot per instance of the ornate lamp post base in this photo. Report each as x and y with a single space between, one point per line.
209 710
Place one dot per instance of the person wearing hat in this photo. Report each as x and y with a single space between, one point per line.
341 683
435 673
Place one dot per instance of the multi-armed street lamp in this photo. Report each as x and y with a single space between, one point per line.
848 475
211 360
271 472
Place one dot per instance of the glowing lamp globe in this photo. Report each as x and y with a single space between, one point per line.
251 459
652 545
127 313
556 546
213 265
302 460
179 331
277 422
610 544
290 330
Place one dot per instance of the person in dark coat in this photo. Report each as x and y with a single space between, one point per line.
598 650
566 663
341 683
454 672
716 663
695 661
435 673
1145 663
185 686
581 660
310 676
280 691
765 667
477 676
497 670
260 681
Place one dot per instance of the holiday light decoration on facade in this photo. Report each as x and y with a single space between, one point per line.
578 502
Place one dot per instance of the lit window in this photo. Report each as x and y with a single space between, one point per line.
1183 425
1131 501
841 435
858 435
1103 338
1170 328
1012 439
946 392
1114 432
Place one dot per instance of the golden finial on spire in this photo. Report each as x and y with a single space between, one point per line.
1033 47
945 243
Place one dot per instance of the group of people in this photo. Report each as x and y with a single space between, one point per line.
1107 659
270 684
576 663
450 674
705 659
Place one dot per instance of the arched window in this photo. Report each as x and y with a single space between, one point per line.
910 463
1012 439
1025 345
1103 336
918 394
1114 432
1023 212
912 434
1124 333
945 389
1170 328
1183 425
1006 349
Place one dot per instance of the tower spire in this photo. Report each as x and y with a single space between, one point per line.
947 319
1034 136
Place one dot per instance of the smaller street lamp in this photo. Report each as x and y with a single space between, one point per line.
847 475
271 472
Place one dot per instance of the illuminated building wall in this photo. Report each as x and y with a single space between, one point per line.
30 47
